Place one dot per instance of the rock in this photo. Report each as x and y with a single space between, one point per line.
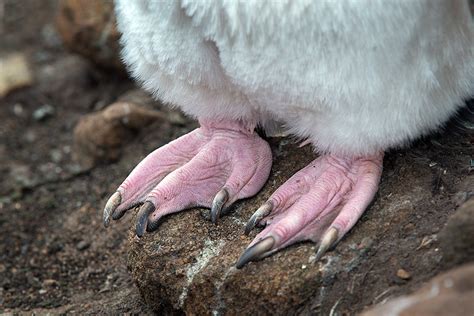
403 274
15 73
186 266
43 112
82 245
457 237
98 137
18 109
451 293
50 282
88 28
56 155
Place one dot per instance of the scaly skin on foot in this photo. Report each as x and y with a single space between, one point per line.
321 203
212 166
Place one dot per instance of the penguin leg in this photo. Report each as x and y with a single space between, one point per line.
212 166
321 203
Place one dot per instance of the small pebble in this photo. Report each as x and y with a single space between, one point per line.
42 291
16 73
18 109
82 245
56 155
403 274
30 136
457 237
43 112
50 282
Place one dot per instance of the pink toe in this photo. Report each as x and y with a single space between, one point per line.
154 168
368 178
191 170
241 166
330 192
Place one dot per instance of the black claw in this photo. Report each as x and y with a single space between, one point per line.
142 221
261 212
109 209
119 214
255 252
153 225
218 204
251 224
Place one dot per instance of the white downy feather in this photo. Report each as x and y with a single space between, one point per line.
353 76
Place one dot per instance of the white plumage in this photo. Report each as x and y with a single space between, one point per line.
353 77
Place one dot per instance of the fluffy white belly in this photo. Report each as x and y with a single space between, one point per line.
353 76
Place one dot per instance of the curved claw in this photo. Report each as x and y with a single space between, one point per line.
328 241
261 212
116 215
218 203
153 224
142 221
255 252
113 202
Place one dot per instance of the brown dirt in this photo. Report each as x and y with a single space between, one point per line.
54 254
56 257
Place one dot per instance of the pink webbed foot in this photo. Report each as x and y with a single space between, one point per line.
212 166
321 203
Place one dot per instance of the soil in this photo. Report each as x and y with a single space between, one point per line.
56 257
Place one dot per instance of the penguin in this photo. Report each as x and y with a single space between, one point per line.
353 78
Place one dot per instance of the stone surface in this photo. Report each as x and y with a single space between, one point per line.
99 136
451 293
190 267
43 112
403 274
457 237
15 73
186 266
88 28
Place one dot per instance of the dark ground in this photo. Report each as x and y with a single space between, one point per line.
55 255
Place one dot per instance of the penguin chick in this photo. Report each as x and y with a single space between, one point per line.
353 78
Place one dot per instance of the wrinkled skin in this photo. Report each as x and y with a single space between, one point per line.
222 162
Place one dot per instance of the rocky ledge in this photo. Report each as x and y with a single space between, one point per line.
187 266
